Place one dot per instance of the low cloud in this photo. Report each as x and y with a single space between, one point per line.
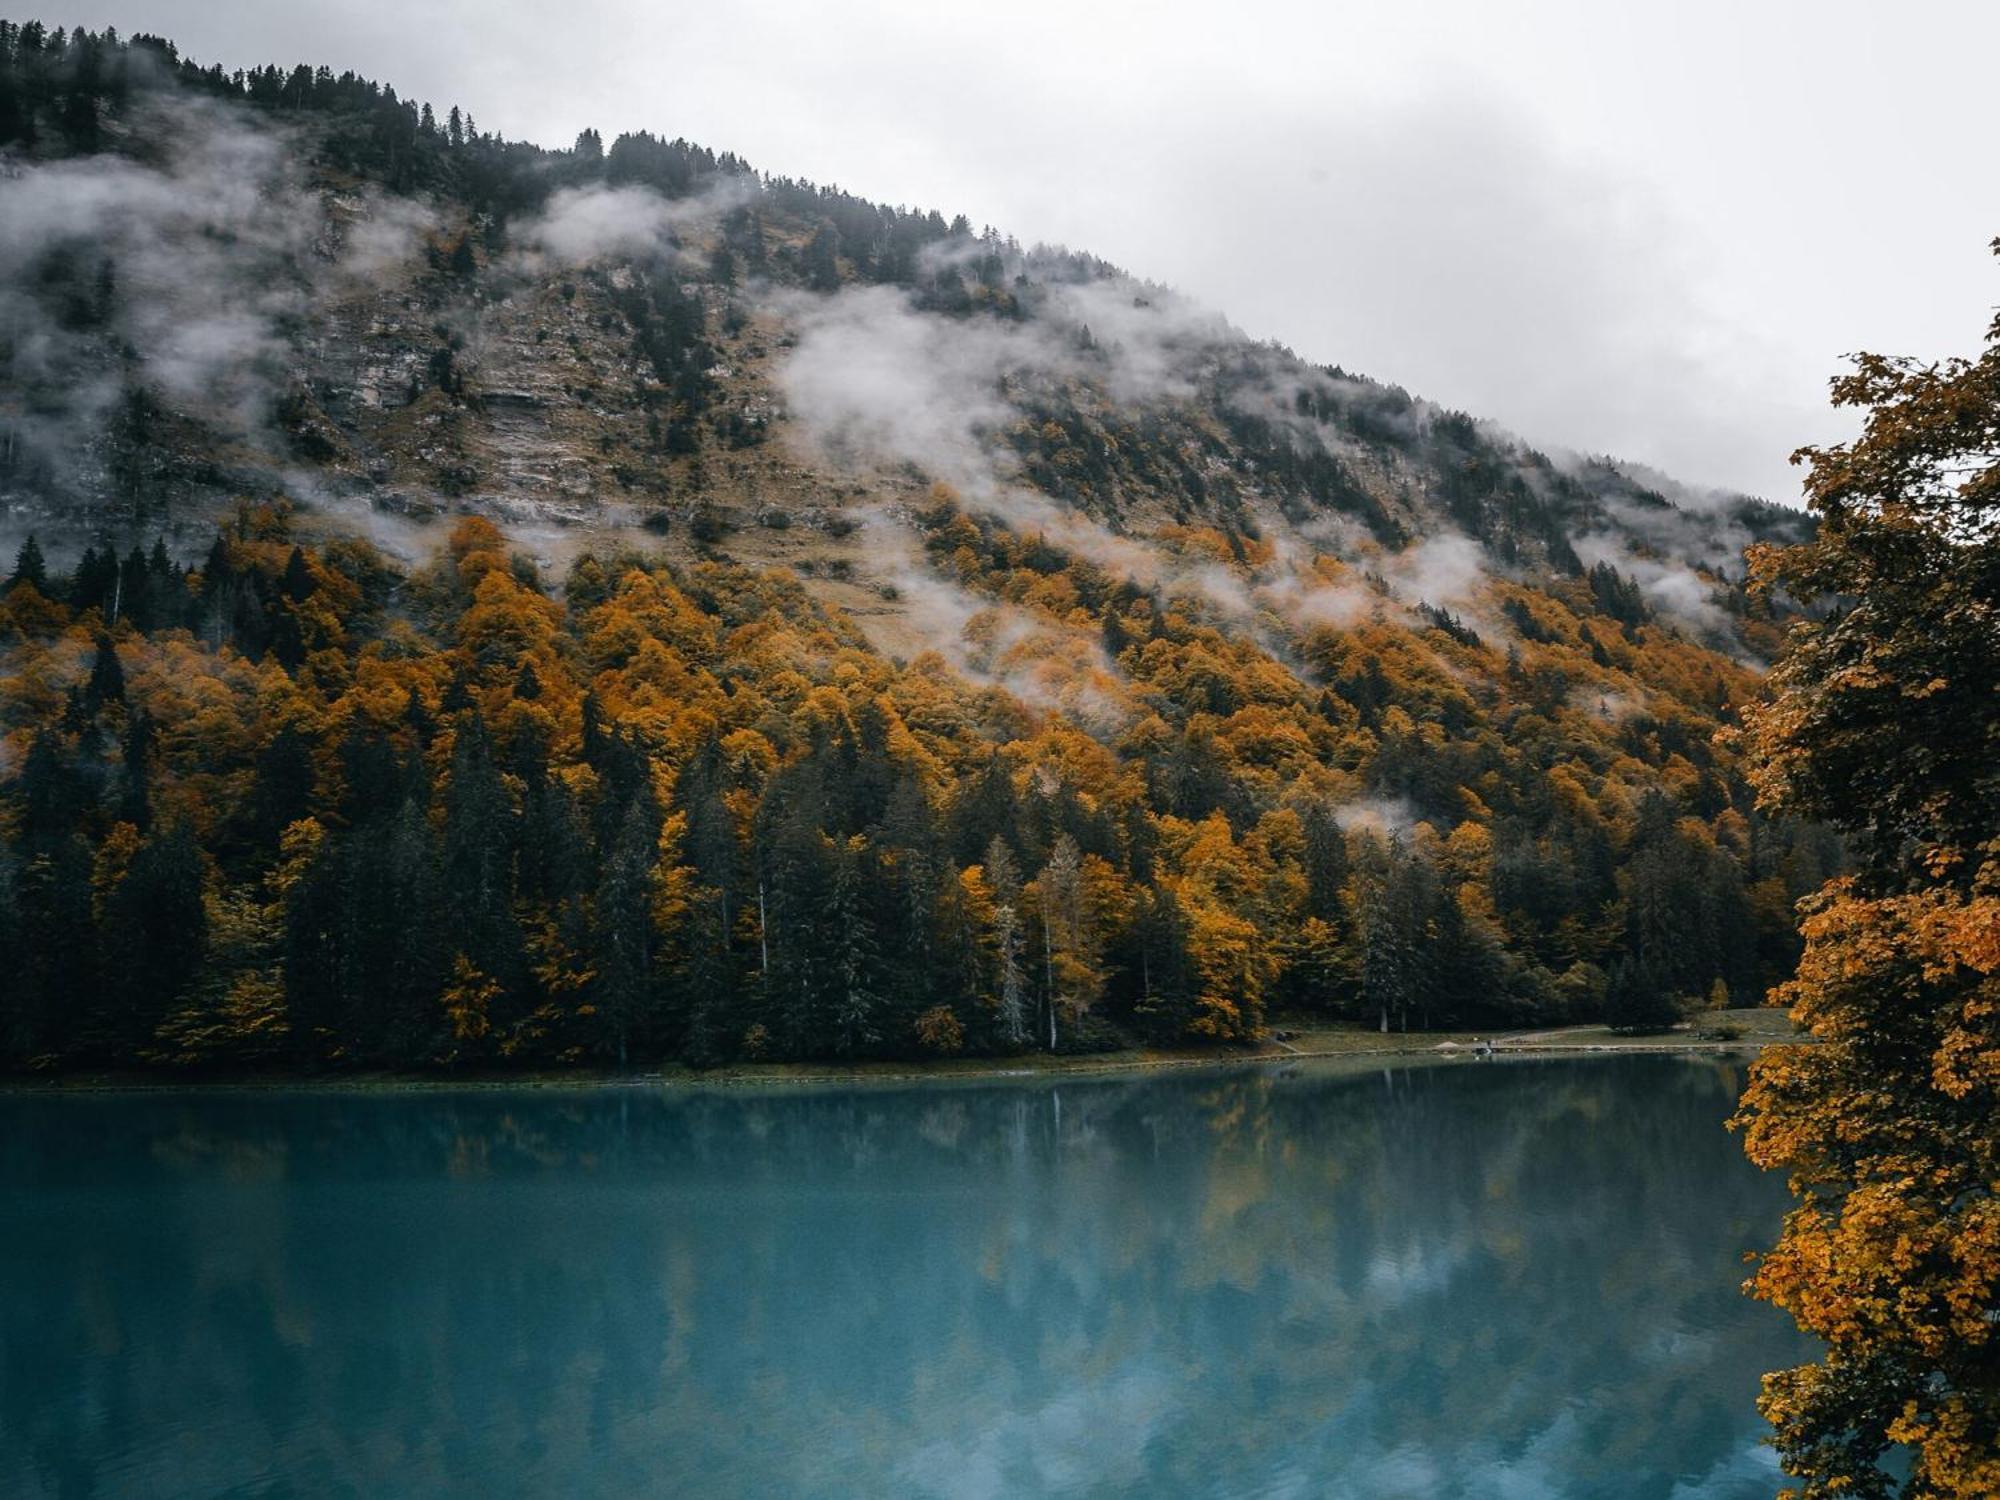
1447 570
183 276
1040 661
871 377
1671 589
189 264
383 234
579 225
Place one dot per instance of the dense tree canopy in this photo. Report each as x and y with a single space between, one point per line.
1886 722
677 805
291 805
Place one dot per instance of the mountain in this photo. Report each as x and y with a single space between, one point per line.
481 603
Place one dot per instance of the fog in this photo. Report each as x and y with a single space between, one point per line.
1612 229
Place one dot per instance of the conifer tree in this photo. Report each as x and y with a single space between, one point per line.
29 567
1011 980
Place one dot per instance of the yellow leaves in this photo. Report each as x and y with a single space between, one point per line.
1265 738
1900 1257
1681 779
1218 883
1939 860
298 847
1209 864
673 882
1234 965
467 999
645 609
114 856
1890 1265
1958 1458
1068 757
940 1032
1967 1058
26 611
748 758
249 1023
1696 832
978 894
475 542
1467 855
561 973
507 623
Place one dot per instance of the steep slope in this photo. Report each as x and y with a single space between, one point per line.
999 604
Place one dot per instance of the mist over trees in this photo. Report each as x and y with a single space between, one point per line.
1239 687
292 805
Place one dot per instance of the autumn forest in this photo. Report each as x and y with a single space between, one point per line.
1257 691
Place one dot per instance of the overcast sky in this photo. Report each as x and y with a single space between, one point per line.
1645 230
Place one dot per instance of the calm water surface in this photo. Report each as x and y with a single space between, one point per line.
1512 1279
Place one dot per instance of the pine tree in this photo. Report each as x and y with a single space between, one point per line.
623 931
135 805
1390 938
857 1002
1325 860
822 260
155 929
107 676
1168 983
1070 945
708 982
1011 980
479 842
29 568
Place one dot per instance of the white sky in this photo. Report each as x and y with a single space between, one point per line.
1648 230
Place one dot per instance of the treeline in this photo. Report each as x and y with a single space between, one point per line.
58 87
291 806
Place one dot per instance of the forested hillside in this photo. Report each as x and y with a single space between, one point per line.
475 604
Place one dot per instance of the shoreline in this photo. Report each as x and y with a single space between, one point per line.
1321 1048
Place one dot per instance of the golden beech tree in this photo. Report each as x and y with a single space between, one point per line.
1885 721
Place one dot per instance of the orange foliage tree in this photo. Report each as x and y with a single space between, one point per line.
1885 721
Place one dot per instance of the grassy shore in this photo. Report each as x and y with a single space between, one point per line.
1716 1031
1752 1029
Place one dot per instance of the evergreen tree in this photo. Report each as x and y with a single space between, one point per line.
1009 941
29 568
821 260
857 1002
58 953
624 991
1325 859
479 841
1168 984
107 676
1390 938
135 804
155 928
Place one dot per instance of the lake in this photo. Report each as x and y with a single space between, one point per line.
1501 1279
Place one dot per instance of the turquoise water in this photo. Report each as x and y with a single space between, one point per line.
1507 1279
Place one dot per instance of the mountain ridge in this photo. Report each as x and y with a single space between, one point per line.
676 551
